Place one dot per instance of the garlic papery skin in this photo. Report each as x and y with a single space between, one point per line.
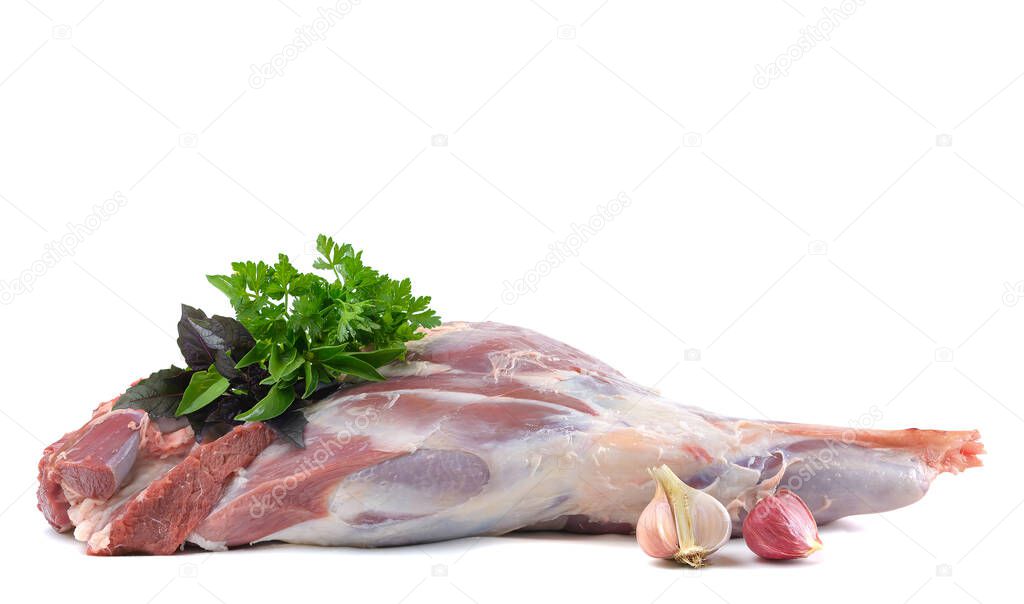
781 527
656 529
681 522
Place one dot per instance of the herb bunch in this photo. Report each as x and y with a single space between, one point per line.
295 338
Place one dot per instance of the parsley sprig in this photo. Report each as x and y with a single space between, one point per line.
295 337
310 330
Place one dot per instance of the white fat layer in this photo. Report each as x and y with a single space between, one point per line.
414 368
213 546
100 539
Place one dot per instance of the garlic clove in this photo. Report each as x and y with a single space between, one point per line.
781 527
681 522
656 529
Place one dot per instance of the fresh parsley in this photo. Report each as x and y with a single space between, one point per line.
295 337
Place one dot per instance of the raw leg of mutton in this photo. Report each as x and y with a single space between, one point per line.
483 430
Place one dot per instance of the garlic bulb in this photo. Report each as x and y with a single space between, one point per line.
781 527
681 522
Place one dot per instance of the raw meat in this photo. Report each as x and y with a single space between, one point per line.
483 430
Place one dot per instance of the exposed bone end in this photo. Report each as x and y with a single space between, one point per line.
945 451
961 452
940 450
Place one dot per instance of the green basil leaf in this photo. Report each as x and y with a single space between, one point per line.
203 389
353 366
275 403
280 360
324 353
290 379
293 367
379 358
256 354
312 379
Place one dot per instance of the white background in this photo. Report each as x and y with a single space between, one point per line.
892 151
